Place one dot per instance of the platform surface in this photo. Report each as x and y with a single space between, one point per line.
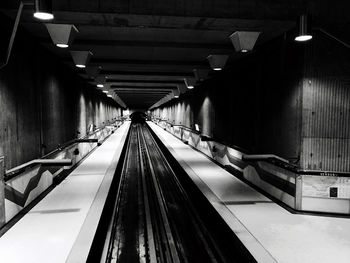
67 217
269 232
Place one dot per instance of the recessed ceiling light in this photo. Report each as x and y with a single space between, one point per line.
100 85
190 87
105 91
43 16
176 96
244 51
62 45
217 69
80 66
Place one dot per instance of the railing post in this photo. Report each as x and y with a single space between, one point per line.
2 191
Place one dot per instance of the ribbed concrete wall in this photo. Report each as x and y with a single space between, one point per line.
255 104
326 106
44 104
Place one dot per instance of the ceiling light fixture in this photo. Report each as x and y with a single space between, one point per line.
62 35
62 45
105 91
304 29
43 9
244 41
81 58
190 83
100 80
217 62
110 96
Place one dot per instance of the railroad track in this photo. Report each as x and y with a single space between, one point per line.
153 219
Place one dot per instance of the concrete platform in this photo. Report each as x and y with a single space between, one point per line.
269 232
61 227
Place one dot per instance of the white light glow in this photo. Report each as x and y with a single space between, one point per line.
43 16
105 91
62 45
244 51
80 66
303 38
110 96
190 87
176 96
217 69
196 127
100 85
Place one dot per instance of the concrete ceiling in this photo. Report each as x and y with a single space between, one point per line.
146 48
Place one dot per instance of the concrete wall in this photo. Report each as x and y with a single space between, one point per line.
43 103
290 99
254 104
326 104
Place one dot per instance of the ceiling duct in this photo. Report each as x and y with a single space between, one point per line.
43 9
62 35
201 74
81 58
93 71
244 41
304 27
217 62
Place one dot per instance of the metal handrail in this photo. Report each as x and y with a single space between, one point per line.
44 162
281 162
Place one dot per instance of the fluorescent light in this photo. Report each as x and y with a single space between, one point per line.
303 38
105 91
80 66
62 45
110 96
244 51
190 87
43 16
100 85
176 96
217 69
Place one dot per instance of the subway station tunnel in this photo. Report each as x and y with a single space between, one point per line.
174 131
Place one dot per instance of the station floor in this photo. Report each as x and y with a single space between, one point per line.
61 227
269 232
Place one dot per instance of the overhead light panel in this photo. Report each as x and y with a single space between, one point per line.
43 9
217 62
201 74
304 33
244 41
109 96
81 58
62 35
105 91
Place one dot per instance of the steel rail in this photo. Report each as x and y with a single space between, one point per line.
161 204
